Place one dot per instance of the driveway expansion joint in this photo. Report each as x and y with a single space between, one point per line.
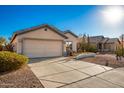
90 77
53 81
55 74
77 81
75 68
110 82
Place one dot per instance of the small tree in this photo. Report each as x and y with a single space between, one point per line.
2 41
84 44
91 48
118 53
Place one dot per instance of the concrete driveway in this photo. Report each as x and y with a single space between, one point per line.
57 72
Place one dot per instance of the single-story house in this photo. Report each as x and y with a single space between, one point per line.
43 41
105 44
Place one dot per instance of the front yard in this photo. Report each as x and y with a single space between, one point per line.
102 59
70 73
66 72
20 78
15 73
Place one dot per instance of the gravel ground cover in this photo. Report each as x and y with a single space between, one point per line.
21 78
105 59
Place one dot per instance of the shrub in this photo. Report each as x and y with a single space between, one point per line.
11 61
1 47
91 48
82 47
119 52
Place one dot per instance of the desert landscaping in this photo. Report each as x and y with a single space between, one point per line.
44 49
106 60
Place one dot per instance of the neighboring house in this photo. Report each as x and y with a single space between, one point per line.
104 44
43 41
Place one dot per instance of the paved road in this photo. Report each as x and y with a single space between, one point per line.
58 72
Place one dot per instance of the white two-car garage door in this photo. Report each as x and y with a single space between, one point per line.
42 48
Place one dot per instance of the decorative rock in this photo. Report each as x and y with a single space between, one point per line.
85 55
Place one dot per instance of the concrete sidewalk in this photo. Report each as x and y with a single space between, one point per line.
78 74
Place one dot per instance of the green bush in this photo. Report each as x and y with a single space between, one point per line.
119 52
91 48
1 47
11 61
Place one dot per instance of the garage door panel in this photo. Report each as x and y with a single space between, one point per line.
42 48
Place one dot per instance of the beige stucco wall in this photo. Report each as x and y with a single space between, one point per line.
15 43
40 33
112 46
73 39
109 47
37 34
117 45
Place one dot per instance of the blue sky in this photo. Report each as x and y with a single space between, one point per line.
78 19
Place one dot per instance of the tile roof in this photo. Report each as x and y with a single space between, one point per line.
68 31
35 28
95 39
112 40
102 39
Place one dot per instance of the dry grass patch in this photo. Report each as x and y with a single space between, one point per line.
102 59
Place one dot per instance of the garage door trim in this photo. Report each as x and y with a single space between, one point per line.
40 40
